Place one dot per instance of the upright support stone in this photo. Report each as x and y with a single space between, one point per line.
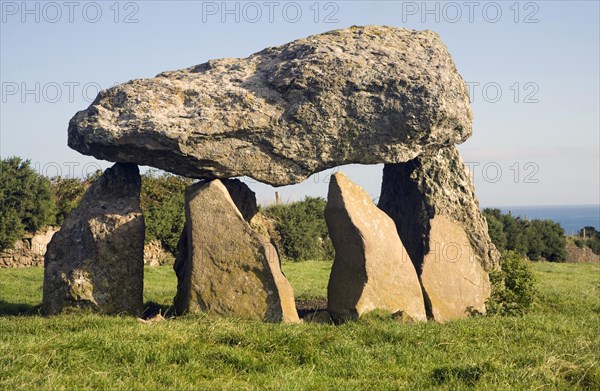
224 266
371 269
96 260
432 201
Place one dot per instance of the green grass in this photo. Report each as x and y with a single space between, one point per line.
309 279
556 346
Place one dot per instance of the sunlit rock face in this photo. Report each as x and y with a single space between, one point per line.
371 270
225 267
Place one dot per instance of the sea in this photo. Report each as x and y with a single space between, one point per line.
571 217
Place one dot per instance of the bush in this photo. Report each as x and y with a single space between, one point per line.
301 226
496 232
163 204
513 287
26 202
537 239
29 201
67 193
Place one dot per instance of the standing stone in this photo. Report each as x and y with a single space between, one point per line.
432 201
96 260
372 270
454 282
224 266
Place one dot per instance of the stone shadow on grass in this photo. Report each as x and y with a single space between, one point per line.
152 309
19 309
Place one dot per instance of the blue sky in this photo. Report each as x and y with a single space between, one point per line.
533 69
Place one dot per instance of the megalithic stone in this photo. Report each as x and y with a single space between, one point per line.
365 94
432 201
224 266
371 270
96 260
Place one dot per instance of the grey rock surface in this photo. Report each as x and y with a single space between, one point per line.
367 95
96 260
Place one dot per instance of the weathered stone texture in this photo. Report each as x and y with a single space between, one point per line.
29 250
371 270
371 94
224 266
437 189
414 192
96 260
454 283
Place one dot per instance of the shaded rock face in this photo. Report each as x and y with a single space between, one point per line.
367 95
243 198
96 260
372 270
438 188
414 192
224 266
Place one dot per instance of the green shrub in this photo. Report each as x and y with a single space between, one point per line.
301 226
513 287
496 232
594 245
26 202
537 239
67 193
163 204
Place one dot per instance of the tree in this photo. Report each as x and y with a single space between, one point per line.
591 238
555 242
535 242
26 200
536 239
514 228
589 232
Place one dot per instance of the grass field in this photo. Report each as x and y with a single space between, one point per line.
556 346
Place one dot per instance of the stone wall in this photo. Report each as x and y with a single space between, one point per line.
156 255
581 255
29 251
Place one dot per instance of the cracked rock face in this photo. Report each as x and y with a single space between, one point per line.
365 95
